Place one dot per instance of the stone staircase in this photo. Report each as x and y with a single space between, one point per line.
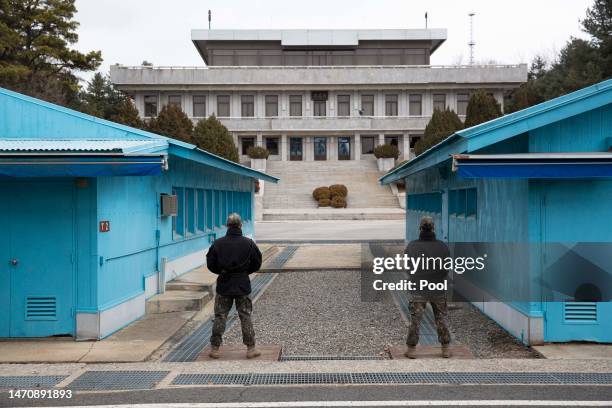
291 199
189 292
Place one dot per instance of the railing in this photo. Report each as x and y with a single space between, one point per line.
289 67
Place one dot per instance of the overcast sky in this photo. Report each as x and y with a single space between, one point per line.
508 31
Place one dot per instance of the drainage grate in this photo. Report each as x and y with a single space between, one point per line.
212 379
117 380
282 258
393 378
31 381
321 358
428 333
192 345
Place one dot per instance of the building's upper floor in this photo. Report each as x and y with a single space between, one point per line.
317 47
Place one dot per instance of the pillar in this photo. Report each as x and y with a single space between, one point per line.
283 147
357 147
381 139
406 146
259 140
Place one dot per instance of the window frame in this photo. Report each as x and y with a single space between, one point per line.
148 103
412 102
247 107
275 139
443 101
391 106
370 103
268 104
245 150
194 104
225 102
368 137
178 104
316 108
464 101
344 104
178 220
293 103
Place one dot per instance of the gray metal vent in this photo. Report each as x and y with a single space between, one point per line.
580 312
41 308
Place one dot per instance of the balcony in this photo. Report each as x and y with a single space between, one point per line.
328 124
324 77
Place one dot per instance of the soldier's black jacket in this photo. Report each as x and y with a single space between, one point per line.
233 257
428 246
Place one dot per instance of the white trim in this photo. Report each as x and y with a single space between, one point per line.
179 266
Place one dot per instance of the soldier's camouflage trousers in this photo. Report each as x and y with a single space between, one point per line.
417 310
244 307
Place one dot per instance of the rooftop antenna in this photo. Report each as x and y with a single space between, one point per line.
426 20
472 43
209 18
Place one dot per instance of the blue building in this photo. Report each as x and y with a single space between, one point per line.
83 228
534 189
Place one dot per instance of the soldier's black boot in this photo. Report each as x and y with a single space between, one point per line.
446 351
410 352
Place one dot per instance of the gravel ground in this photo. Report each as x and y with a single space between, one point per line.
321 313
484 337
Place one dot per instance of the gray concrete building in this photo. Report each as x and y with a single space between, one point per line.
316 94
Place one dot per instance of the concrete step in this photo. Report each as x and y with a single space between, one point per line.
335 214
189 286
178 301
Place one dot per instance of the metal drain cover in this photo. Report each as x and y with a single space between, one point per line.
31 381
117 380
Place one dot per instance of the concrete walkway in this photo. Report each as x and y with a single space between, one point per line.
282 231
576 351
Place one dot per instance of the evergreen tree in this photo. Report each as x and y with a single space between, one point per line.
441 125
172 122
100 97
35 54
210 135
481 108
127 114
598 24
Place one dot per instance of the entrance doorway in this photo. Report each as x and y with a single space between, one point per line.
36 259
344 148
320 148
295 148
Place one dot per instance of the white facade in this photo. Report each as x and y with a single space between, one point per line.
364 105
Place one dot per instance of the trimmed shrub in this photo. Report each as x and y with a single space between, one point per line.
338 202
324 202
258 152
321 193
441 125
338 190
210 135
386 151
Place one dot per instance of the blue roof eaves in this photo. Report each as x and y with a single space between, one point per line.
426 159
191 152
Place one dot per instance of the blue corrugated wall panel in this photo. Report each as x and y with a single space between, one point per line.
131 204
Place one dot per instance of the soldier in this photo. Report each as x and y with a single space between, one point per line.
428 246
233 257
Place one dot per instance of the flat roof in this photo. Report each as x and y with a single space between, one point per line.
319 37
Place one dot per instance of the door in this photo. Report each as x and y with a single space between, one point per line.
575 260
320 148
41 258
344 148
295 148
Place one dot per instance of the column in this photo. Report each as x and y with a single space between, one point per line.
332 148
283 147
357 147
259 140
381 139
406 146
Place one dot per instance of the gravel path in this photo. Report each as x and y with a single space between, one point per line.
484 337
321 313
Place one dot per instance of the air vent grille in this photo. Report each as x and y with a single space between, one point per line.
41 308
580 312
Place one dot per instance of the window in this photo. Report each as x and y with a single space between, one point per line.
272 145
247 142
367 105
414 139
392 140
471 202
175 100
200 210
427 202
415 105
218 209
391 105
178 221
190 211
295 105
271 105
367 144
463 202
210 210
150 105
223 106
247 106
319 108
462 103
439 102
344 105
199 106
